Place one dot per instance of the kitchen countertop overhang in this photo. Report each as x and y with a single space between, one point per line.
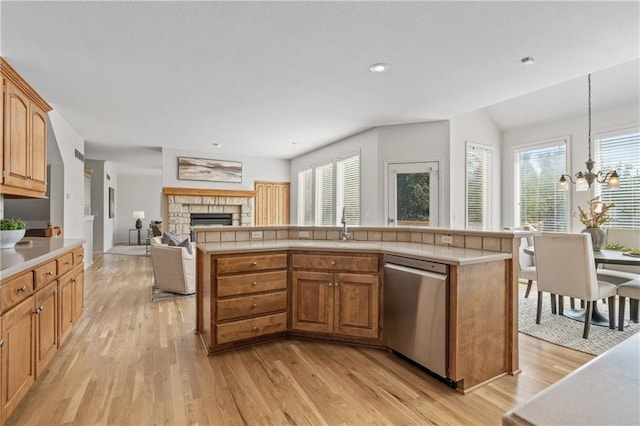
24 257
443 254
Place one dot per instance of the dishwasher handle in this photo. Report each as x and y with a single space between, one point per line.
434 275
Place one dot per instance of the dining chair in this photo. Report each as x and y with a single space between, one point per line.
527 268
630 289
565 266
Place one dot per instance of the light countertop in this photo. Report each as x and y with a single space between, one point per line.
24 257
443 254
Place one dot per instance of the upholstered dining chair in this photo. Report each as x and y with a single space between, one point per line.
527 268
565 266
630 289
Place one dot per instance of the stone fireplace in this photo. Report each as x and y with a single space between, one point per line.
181 202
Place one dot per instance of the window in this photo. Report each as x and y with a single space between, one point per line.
305 197
540 200
621 153
479 165
325 191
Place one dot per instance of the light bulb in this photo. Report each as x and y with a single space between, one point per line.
614 181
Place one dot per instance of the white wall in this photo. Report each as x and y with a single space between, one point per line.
253 168
68 141
575 128
136 192
415 142
366 143
477 127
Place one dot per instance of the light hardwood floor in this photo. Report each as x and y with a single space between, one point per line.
130 361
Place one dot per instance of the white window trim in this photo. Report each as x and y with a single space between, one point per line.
516 174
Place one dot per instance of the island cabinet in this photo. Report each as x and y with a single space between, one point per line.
244 300
335 294
24 137
31 308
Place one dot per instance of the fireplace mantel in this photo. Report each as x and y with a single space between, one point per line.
167 190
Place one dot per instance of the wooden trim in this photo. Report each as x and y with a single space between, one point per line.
16 79
208 192
14 192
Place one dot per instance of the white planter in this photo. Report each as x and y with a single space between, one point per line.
8 239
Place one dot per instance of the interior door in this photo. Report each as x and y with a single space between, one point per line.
413 194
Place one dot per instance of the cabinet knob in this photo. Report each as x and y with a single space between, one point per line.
333 263
22 289
68 262
1 343
49 273
253 284
330 284
254 305
254 263
254 328
73 280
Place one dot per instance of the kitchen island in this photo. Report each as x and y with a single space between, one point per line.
252 291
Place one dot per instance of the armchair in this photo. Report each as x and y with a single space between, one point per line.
174 268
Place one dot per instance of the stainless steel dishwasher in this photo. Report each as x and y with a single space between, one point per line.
415 311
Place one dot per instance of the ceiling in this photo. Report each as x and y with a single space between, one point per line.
278 79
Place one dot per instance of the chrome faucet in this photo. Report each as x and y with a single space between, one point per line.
345 232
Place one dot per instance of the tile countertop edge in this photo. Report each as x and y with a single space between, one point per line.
21 259
443 254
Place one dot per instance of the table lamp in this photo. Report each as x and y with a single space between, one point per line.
138 215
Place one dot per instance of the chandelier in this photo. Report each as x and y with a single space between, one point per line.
585 179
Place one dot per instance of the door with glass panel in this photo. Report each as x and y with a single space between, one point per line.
413 194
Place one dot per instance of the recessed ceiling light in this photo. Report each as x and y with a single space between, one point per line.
294 143
217 145
528 60
381 67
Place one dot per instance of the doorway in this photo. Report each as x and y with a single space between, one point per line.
413 193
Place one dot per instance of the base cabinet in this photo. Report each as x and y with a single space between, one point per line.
39 308
342 303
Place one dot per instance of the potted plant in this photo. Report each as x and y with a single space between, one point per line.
11 231
596 216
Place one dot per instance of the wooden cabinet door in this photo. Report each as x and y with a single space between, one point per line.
312 301
38 148
65 305
271 205
18 372
78 293
356 304
16 138
46 318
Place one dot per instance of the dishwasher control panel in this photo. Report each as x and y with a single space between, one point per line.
424 265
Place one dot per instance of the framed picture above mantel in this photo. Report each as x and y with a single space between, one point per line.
209 170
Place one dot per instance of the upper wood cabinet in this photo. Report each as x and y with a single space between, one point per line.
272 203
24 137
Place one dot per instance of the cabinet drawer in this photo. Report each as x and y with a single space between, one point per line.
78 256
65 263
244 306
45 273
252 327
251 283
331 262
15 290
253 262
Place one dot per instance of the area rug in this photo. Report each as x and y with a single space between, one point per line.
158 295
563 331
133 250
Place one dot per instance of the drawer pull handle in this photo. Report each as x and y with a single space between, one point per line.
254 305
254 328
49 273
253 284
22 289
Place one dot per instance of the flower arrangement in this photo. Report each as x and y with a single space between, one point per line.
597 214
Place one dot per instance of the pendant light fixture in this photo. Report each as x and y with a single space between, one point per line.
585 179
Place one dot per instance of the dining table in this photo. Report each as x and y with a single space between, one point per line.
604 256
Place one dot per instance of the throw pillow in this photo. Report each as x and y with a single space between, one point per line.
187 244
167 237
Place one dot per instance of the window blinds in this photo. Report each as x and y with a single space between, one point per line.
621 153
305 197
541 201
348 189
324 195
479 164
